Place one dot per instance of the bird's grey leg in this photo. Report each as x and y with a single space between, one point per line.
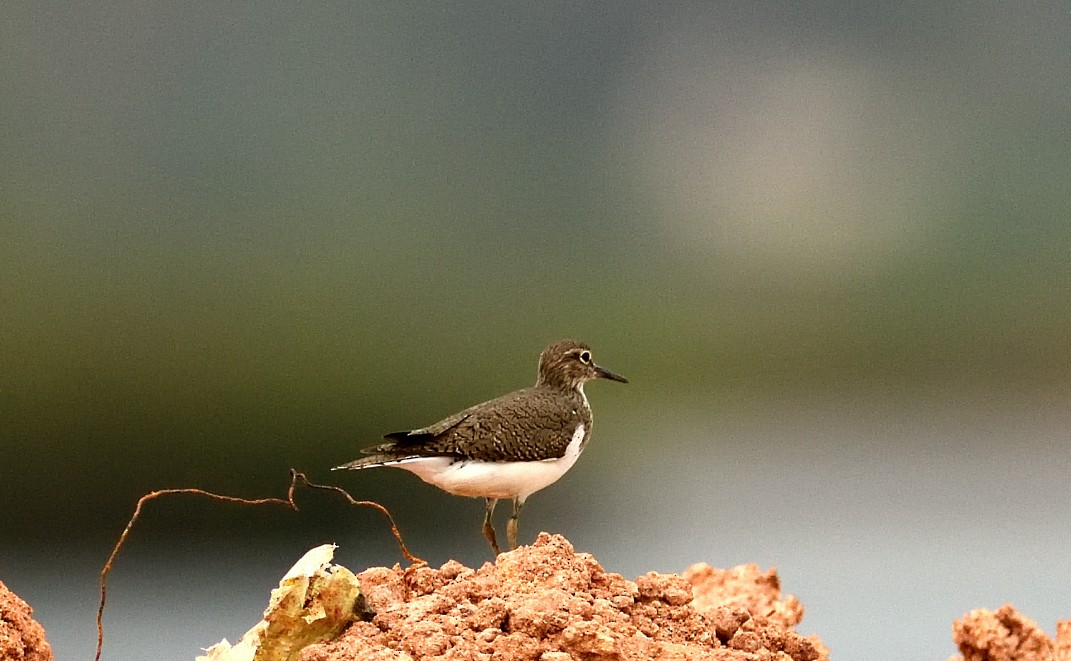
511 526
488 527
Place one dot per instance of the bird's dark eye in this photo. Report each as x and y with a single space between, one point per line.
585 357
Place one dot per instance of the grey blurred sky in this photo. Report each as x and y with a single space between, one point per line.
238 237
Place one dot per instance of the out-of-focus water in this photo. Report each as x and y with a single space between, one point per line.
887 522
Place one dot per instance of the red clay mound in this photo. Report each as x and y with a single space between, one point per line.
21 637
1007 635
546 602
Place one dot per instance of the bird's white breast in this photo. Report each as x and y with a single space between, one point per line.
494 479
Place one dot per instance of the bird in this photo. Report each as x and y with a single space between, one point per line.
505 448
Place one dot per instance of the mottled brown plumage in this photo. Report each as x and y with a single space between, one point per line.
527 425
482 451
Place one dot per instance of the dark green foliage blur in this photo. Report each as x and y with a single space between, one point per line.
236 239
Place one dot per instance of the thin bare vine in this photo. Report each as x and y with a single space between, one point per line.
296 479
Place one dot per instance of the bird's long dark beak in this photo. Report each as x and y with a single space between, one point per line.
607 374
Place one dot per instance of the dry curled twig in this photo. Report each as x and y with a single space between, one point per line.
288 502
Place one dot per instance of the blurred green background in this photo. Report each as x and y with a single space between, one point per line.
238 238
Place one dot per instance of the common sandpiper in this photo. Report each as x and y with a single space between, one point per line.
508 447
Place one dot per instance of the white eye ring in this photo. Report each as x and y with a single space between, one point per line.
585 357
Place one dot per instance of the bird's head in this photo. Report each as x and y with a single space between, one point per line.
569 364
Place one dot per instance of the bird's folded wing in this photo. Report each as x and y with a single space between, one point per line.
511 430
514 427
416 436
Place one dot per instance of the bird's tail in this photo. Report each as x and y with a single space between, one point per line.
373 461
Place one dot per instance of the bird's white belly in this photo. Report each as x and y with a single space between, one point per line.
494 479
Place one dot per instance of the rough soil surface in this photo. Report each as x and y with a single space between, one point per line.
1006 635
546 602
21 637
